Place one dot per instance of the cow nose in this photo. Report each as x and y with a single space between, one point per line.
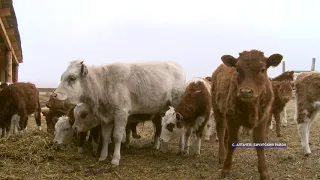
54 95
246 92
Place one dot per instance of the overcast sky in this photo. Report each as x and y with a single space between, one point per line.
194 33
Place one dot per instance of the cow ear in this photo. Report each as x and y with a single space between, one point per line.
54 120
84 69
229 60
44 113
274 60
162 113
179 117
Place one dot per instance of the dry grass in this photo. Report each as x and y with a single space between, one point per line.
32 156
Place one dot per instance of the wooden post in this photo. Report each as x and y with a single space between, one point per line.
313 65
15 70
8 67
283 66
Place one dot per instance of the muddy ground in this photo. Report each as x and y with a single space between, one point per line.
32 156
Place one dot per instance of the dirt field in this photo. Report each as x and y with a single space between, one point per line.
32 157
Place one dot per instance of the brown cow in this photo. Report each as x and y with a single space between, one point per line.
56 109
282 95
242 95
307 105
286 76
22 99
191 114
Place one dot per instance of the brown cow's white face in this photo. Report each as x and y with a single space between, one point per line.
63 131
84 119
171 127
251 67
70 84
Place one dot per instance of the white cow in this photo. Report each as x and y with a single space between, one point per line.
117 90
63 131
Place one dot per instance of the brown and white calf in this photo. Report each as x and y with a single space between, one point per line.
242 95
282 95
307 105
190 115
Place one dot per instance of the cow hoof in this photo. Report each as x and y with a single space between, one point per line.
284 125
278 135
217 140
39 128
310 143
307 154
115 163
80 149
101 159
225 173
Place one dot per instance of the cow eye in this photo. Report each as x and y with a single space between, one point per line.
170 127
72 78
262 70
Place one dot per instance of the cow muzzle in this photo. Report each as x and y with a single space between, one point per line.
59 96
245 94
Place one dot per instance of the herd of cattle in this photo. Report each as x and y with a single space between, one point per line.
109 101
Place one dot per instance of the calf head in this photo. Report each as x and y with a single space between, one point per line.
53 103
70 85
83 118
52 118
251 72
284 90
171 125
63 133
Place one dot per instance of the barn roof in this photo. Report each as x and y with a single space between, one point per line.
10 36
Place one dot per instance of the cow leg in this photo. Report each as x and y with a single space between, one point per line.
259 137
156 120
233 138
304 129
267 130
221 132
283 117
95 139
182 143
188 139
208 130
82 136
3 134
37 116
120 122
106 130
133 127
128 132
277 118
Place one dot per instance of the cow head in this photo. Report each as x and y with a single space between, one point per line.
171 126
53 103
83 118
70 84
63 133
251 71
284 89
52 118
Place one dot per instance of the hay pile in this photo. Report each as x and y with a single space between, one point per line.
32 148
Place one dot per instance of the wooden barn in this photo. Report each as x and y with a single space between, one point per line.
10 43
